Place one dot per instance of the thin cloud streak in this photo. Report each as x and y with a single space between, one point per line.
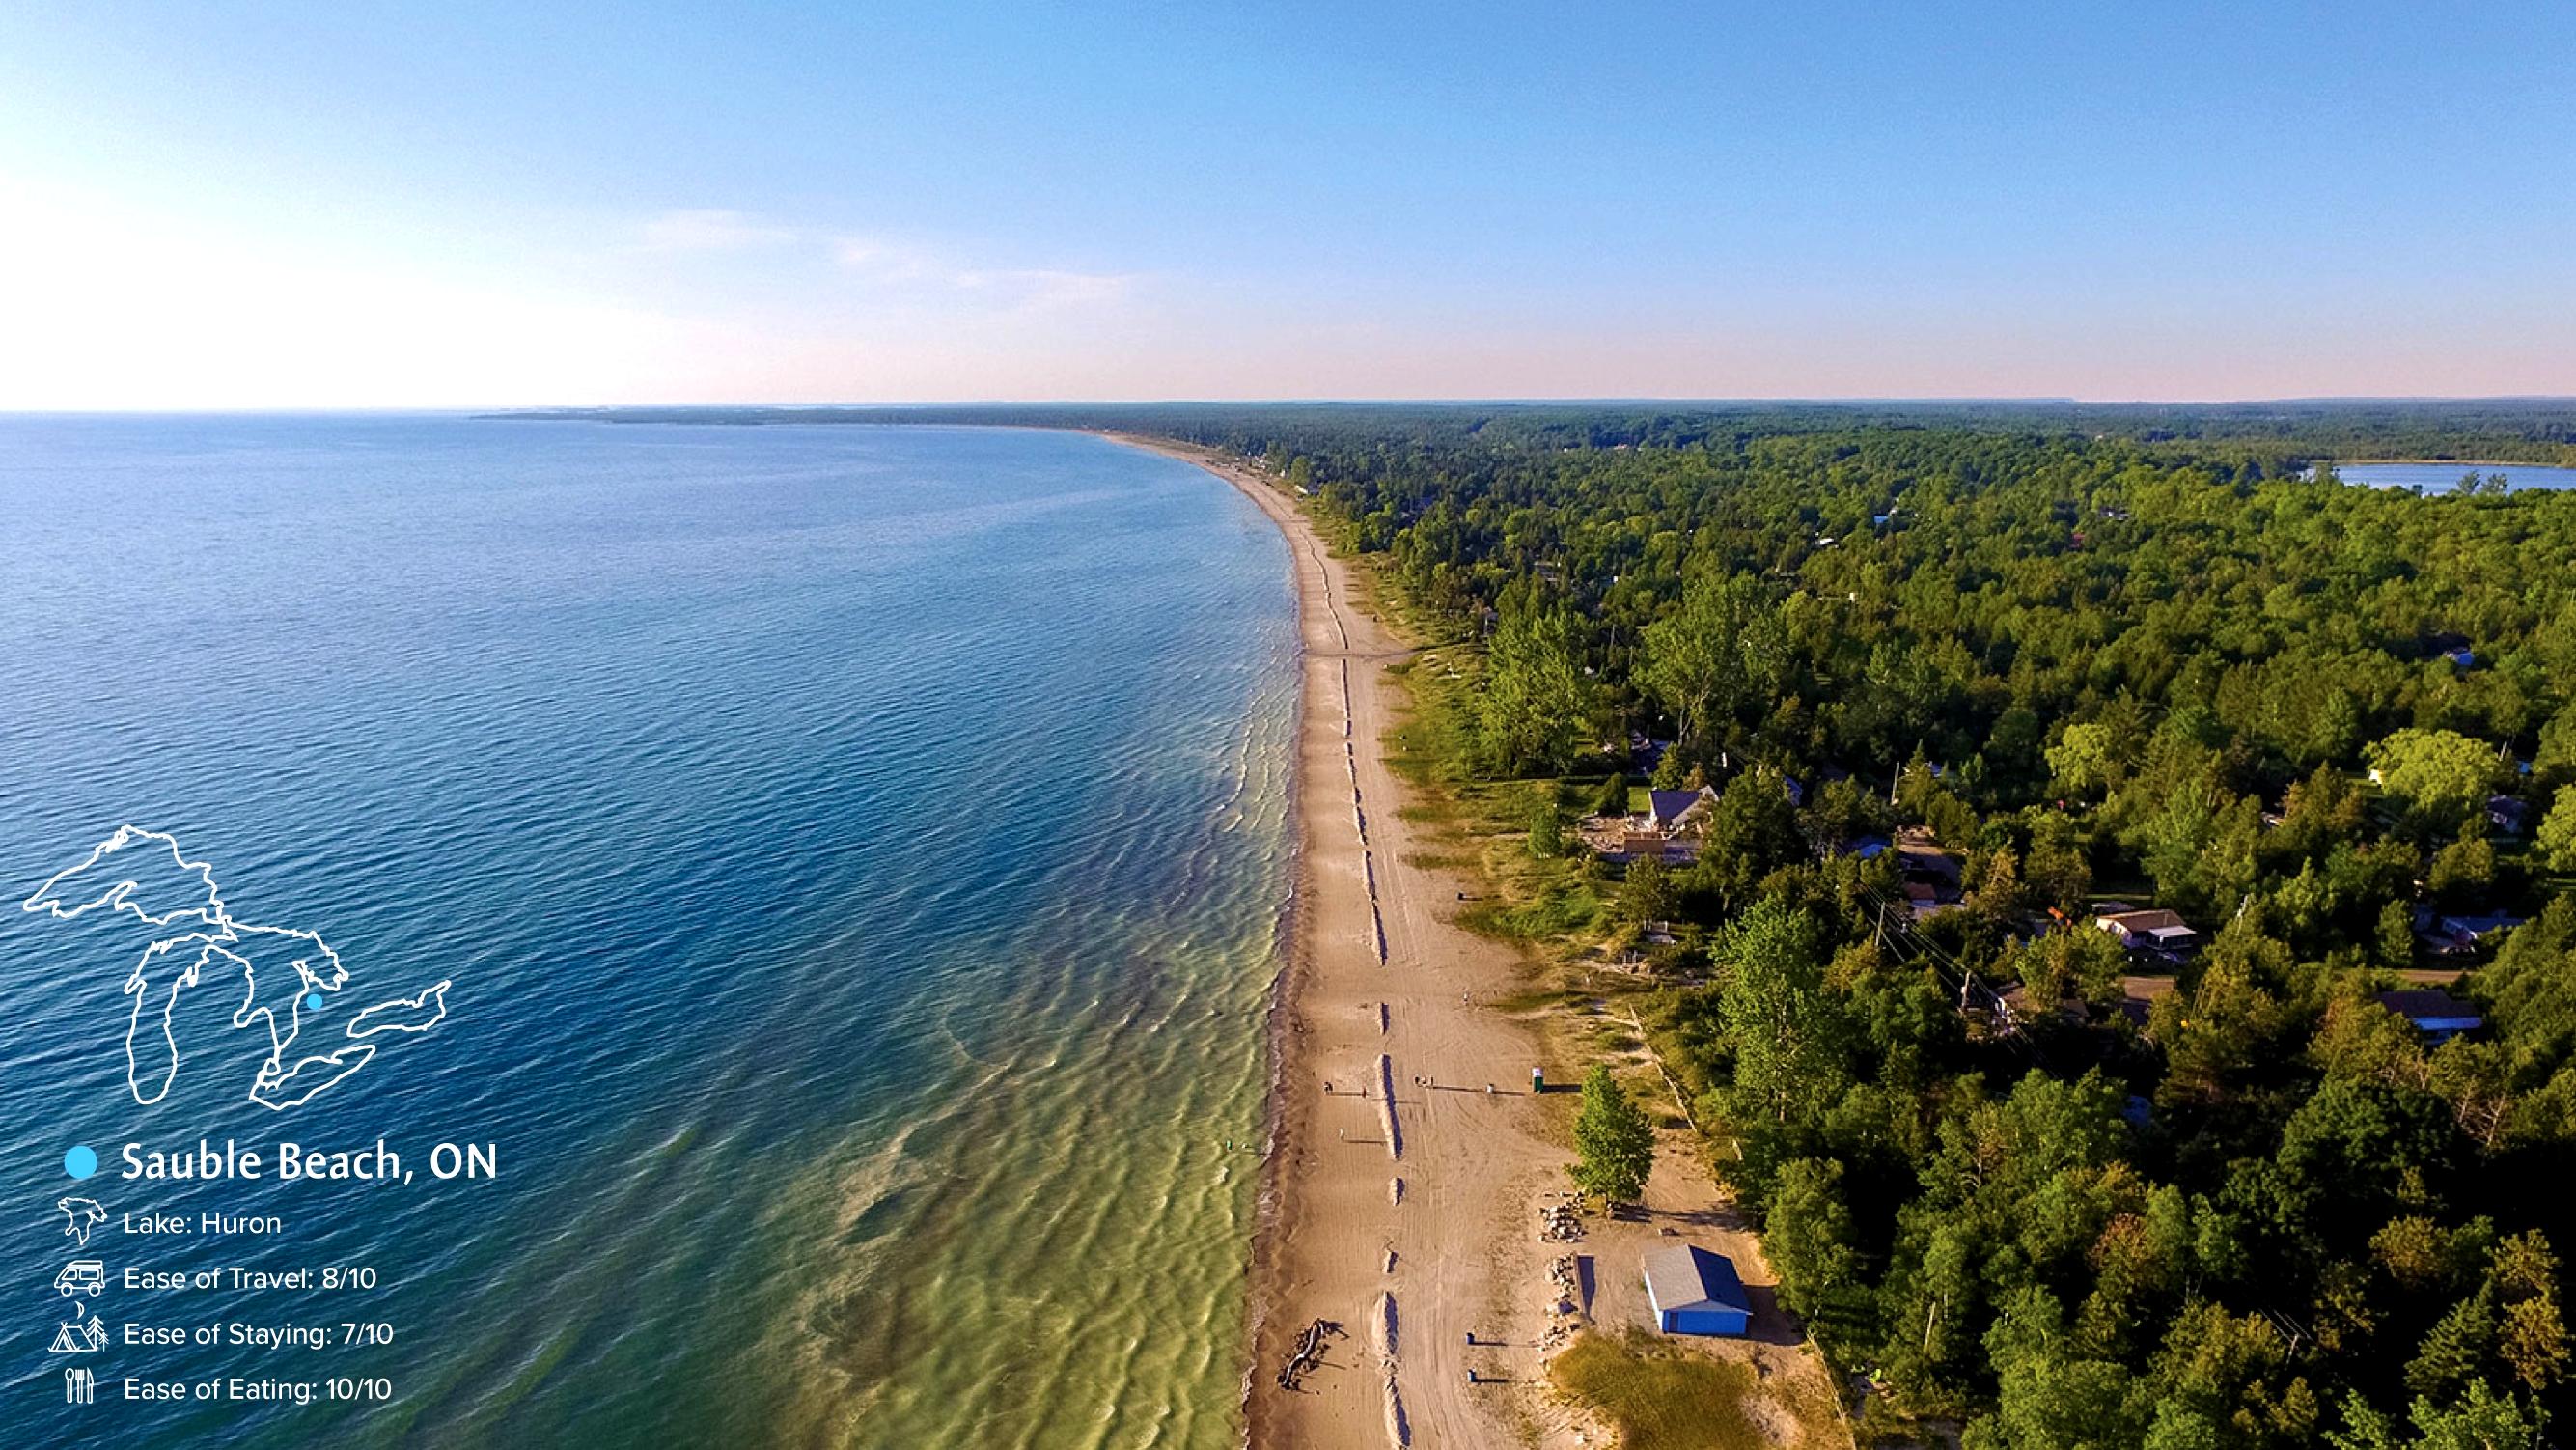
1031 289
713 230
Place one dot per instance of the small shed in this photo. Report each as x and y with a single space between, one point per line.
1696 1292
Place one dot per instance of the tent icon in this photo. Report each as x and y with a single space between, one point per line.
84 1335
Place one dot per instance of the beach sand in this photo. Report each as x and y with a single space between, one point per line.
1374 932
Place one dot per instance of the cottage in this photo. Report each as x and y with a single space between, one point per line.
1669 830
2152 928
2436 1013
1675 811
1694 1291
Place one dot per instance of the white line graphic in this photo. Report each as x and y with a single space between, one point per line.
142 873
80 1215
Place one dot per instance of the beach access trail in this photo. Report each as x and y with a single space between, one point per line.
1408 1222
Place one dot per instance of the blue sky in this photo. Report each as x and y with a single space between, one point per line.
332 205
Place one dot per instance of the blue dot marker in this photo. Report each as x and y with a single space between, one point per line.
312 1001
79 1161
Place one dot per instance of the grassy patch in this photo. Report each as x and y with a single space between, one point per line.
1545 901
1558 912
1537 999
1659 1396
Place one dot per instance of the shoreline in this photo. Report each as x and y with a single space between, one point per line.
2443 463
1405 1228
1282 1127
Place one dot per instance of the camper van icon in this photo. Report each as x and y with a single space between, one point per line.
81 1276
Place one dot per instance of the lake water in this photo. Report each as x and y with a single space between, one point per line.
857 853
2444 477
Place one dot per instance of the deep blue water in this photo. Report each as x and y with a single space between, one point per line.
856 852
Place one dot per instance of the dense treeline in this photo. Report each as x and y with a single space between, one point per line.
1999 1170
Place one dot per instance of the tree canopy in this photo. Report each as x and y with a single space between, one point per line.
2075 1194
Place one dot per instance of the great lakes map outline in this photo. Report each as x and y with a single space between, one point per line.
206 937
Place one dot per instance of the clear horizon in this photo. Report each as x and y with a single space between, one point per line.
1673 401
475 207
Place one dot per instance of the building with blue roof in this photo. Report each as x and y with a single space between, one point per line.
1696 1292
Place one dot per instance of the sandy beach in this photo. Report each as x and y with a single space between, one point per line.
1405 1220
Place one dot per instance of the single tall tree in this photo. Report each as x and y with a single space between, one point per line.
1613 1143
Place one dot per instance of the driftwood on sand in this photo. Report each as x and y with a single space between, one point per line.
1309 1352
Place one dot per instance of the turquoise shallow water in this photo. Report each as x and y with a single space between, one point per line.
857 852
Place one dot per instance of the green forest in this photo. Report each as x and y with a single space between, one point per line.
2164 660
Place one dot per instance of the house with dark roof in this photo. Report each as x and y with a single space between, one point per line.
2435 1013
2155 927
1674 811
1694 1291
1668 831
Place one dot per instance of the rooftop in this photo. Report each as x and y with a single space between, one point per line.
1669 806
2432 1007
2152 919
1687 1276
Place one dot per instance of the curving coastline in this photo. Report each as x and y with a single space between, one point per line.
1376 1030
